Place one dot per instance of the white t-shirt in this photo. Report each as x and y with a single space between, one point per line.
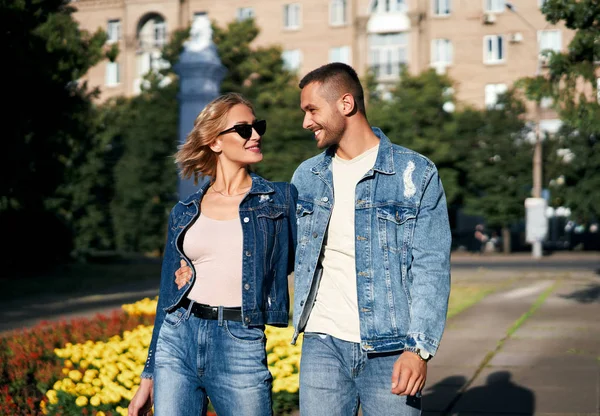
335 311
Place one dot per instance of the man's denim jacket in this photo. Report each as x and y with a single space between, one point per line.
402 247
267 215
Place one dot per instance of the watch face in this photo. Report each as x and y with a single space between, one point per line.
424 355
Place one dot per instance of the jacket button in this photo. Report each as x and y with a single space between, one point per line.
248 254
247 286
247 319
315 235
324 199
246 219
301 303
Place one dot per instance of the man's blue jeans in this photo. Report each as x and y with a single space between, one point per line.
337 376
197 359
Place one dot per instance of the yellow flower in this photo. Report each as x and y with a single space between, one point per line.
52 397
100 413
75 375
95 401
81 401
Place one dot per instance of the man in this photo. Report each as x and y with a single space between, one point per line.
372 272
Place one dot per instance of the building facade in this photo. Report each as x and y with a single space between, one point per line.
483 45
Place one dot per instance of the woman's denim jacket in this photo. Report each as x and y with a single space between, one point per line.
267 215
402 239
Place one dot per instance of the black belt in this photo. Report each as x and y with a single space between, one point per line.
212 312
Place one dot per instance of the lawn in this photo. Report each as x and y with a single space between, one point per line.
466 294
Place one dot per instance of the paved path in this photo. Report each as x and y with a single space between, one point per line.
550 365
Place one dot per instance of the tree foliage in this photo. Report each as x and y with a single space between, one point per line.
498 162
571 81
145 175
48 117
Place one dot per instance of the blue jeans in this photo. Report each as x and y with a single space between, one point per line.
197 359
337 376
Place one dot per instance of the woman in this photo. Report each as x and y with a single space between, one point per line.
237 234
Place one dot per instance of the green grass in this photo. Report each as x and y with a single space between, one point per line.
465 295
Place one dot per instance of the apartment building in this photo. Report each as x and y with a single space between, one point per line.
483 45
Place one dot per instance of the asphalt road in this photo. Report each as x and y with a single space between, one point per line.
588 261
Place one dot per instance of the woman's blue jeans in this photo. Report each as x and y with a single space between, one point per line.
198 359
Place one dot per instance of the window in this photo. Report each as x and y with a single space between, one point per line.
292 59
291 16
493 49
113 31
387 52
492 93
495 6
441 52
244 13
340 54
387 6
160 34
112 74
337 12
153 33
441 7
549 40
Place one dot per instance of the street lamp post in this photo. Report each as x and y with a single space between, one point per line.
536 246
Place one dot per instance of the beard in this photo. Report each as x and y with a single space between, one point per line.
332 132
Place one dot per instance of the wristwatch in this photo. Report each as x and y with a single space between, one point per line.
422 354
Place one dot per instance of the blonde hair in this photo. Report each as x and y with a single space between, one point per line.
195 156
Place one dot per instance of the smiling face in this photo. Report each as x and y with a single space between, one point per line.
234 148
321 116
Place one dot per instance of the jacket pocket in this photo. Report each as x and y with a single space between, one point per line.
174 319
394 226
270 219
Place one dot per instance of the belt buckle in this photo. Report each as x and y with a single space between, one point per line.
214 312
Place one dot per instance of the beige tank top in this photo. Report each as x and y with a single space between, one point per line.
215 249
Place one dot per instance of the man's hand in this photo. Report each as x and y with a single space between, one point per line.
409 374
183 274
141 404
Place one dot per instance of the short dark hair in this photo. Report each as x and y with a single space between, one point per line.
337 79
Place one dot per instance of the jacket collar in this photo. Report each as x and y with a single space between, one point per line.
383 164
259 186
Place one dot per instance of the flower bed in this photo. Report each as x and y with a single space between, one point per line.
92 367
29 367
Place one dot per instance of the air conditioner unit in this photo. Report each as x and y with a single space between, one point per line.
489 18
516 37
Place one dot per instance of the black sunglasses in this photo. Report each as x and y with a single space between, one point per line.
245 130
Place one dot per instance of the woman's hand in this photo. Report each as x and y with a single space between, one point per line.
183 274
141 404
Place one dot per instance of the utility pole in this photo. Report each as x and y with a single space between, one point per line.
536 245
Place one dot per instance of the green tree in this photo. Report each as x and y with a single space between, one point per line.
571 80
48 120
145 176
258 73
498 164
